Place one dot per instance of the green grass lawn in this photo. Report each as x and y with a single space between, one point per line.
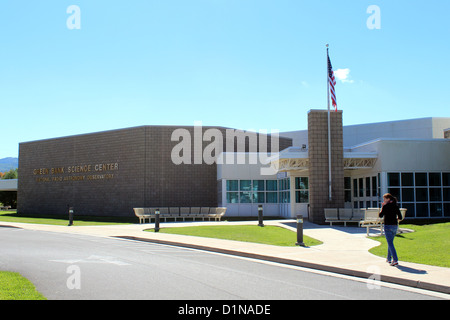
272 235
15 287
12 216
429 244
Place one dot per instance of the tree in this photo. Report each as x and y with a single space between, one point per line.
11 174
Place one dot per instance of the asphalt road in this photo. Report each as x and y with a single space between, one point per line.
68 267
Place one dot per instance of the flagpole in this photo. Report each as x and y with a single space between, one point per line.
329 131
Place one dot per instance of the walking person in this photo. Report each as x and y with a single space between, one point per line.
392 215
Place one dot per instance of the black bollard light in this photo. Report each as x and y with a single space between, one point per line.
260 216
70 216
300 231
157 220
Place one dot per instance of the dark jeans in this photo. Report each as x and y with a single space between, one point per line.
390 232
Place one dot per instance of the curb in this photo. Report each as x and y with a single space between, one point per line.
359 274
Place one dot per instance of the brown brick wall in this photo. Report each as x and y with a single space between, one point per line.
145 174
318 163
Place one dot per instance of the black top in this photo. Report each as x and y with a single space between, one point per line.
391 213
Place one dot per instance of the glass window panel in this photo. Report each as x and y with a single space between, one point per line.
446 179
408 194
407 179
258 185
348 196
374 186
271 197
368 187
301 196
301 183
436 209
421 194
395 192
285 197
285 184
232 197
232 185
421 179
435 194
446 194
246 197
394 179
258 197
435 179
347 183
355 188
411 212
271 185
245 185
422 210
361 187
447 209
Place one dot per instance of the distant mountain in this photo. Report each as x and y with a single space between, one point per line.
7 164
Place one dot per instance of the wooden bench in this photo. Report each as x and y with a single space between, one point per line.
175 213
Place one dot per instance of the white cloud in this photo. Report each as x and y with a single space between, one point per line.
343 75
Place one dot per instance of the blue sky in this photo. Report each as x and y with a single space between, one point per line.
248 64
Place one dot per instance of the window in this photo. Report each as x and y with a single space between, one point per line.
246 197
368 187
232 185
301 183
301 196
361 187
407 179
421 179
258 197
424 194
232 197
271 197
245 185
252 191
446 179
348 189
258 185
271 185
374 186
301 190
408 194
393 179
285 193
365 191
435 179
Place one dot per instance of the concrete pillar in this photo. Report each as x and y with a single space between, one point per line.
318 163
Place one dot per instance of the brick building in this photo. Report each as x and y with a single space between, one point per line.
109 173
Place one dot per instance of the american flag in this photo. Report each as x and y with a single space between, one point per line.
332 82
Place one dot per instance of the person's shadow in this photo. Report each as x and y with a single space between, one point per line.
411 270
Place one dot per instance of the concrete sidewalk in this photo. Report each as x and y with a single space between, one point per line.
344 250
